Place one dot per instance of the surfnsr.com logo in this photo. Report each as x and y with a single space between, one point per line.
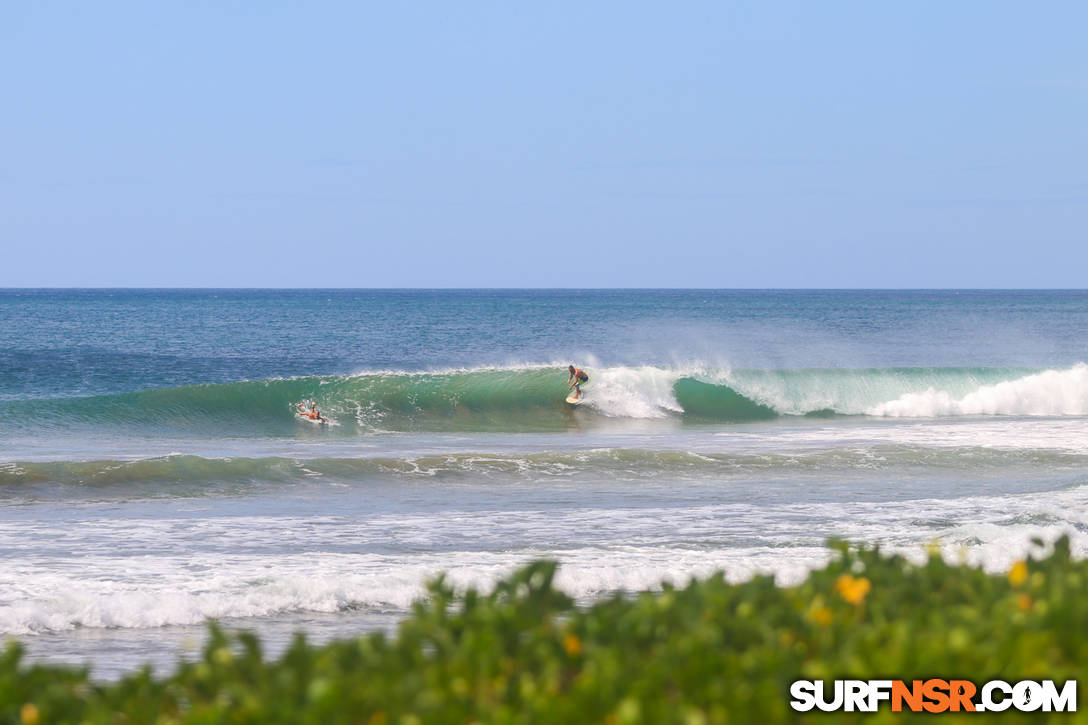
933 695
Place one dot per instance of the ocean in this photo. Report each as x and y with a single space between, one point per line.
153 473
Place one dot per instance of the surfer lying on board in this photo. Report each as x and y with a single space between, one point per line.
313 413
577 379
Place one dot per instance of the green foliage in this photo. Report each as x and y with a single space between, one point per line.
710 652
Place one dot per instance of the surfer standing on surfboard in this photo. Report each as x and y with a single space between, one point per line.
577 379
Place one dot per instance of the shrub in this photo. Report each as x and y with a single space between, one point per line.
708 652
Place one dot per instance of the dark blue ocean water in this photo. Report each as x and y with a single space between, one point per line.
91 342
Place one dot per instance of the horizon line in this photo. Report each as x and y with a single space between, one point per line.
542 289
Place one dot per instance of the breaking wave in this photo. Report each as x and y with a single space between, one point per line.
526 398
184 475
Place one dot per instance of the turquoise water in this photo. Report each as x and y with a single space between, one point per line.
153 474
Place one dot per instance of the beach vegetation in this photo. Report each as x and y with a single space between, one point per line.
708 651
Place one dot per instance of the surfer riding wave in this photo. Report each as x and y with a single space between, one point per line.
576 380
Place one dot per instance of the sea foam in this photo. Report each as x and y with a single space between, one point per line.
1049 393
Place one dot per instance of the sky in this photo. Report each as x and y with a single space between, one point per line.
498 144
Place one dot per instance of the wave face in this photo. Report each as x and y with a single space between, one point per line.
174 474
527 398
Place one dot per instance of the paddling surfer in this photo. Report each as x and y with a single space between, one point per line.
313 413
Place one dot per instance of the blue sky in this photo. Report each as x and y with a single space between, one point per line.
497 144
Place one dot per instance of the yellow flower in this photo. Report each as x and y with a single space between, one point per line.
852 589
1018 574
820 615
572 645
30 714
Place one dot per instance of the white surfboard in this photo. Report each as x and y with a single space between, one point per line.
573 399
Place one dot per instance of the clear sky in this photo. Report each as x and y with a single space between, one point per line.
506 144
